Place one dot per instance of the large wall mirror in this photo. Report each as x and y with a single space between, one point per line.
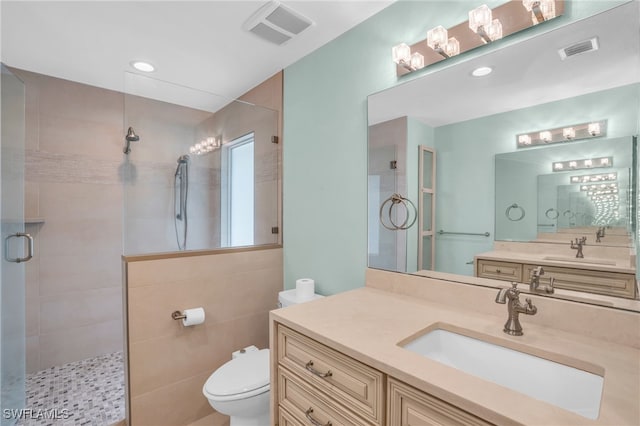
490 195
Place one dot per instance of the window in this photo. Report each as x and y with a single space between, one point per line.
238 192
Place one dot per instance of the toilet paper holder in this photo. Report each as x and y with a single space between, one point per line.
177 315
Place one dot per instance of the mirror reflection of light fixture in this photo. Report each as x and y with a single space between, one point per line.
541 10
438 39
482 23
562 134
598 177
206 146
587 163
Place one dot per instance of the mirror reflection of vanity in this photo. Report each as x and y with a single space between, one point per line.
473 123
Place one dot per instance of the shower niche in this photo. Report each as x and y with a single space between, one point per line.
203 174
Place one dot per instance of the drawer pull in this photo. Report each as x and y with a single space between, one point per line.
309 367
313 421
498 270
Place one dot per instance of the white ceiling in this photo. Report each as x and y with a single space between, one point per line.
525 74
198 44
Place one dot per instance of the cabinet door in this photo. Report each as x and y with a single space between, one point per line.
411 407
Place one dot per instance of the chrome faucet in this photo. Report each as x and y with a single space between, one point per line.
600 234
534 284
514 308
577 245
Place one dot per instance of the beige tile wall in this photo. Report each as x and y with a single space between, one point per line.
169 363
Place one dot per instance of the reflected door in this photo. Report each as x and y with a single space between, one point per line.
14 244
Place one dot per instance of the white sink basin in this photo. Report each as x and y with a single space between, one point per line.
581 260
558 384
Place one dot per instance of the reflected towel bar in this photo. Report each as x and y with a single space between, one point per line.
486 234
544 224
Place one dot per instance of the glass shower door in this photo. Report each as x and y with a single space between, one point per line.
14 243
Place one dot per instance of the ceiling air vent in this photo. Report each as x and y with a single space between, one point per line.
277 23
580 47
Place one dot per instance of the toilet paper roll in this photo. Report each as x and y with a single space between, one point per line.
305 288
194 316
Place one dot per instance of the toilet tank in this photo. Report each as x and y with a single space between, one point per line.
288 298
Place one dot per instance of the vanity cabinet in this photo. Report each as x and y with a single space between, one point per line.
587 280
317 385
409 406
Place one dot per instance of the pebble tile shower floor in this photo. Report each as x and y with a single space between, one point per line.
87 392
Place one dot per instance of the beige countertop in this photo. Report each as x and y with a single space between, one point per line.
367 324
545 259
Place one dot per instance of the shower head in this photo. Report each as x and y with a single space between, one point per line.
131 137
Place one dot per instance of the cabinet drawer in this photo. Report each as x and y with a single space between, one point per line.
351 383
499 270
304 403
600 282
286 419
411 407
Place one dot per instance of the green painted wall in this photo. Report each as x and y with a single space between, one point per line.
325 134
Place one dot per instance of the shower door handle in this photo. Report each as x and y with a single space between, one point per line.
29 247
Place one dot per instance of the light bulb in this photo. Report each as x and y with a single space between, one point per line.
594 129
452 48
479 17
524 139
437 37
545 136
417 61
569 133
401 54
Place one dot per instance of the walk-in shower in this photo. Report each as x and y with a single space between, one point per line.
180 201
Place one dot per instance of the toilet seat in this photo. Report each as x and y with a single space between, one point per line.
240 378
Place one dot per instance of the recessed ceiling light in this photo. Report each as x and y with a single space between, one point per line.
481 71
143 66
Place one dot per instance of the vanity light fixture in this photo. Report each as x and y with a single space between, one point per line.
603 177
541 10
438 39
562 134
482 23
603 188
206 146
484 26
588 163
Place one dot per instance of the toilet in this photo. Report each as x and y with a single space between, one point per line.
240 387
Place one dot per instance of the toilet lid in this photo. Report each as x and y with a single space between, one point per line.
243 374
